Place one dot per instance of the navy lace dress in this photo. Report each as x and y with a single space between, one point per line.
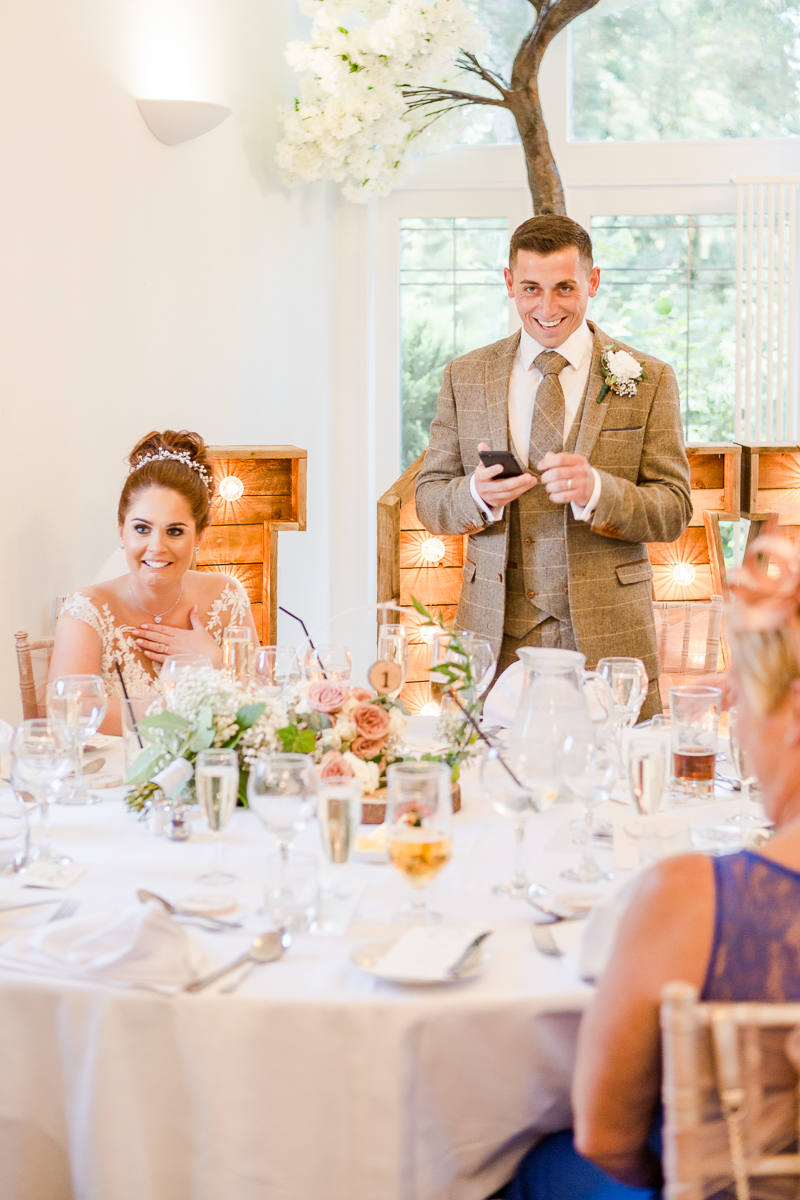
755 956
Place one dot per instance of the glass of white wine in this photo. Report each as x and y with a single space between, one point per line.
216 776
647 760
393 647
328 662
419 828
517 782
237 652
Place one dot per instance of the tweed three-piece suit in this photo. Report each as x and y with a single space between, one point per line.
636 445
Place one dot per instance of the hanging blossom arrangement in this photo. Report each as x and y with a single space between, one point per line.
351 122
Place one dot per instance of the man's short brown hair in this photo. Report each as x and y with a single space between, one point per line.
548 233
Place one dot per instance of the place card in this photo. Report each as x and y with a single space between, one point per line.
51 875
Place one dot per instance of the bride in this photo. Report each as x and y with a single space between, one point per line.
161 607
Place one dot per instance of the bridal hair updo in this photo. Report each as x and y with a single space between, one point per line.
170 460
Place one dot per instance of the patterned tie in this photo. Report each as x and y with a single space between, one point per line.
547 426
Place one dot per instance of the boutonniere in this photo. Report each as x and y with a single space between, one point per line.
621 372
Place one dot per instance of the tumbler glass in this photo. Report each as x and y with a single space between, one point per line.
694 723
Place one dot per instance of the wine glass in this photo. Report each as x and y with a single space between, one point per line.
590 772
483 662
328 662
443 652
282 791
628 681
393 647
81 703
42 755
216 777
174 666
419 825
521 780
237 652
744 773
275 668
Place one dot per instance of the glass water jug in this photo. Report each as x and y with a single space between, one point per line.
559 697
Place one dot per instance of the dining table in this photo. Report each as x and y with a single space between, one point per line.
315 1080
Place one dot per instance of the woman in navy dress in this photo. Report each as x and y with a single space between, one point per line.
730 925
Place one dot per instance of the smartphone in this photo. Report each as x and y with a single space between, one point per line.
511 468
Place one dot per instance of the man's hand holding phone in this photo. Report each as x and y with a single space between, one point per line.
495 492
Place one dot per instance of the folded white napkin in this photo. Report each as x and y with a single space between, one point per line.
425 953
600 929
134 947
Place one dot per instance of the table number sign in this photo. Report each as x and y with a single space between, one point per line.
385 677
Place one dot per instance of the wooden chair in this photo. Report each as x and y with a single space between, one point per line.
730 1094
688 638
33 660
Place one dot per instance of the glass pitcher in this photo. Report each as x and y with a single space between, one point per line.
560 697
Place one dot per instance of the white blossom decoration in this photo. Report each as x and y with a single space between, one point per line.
350 122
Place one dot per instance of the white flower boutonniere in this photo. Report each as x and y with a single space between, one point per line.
621 372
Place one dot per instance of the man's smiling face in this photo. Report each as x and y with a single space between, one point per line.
551 293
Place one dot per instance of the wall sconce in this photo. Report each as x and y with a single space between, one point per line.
683 574
175 121
231 487
432 550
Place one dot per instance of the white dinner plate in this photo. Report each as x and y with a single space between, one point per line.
366 957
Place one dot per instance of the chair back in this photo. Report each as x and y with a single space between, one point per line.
730 1094
688 639
33 661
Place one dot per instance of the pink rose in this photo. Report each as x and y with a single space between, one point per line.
361 694
370 720
327 695
334 766
368 747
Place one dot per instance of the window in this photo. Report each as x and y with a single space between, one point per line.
452 300
668 287
667 69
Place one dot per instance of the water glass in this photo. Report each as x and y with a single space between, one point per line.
393 647
482 660
750 814
216 779
647 761
291 892
282 792
328 662
14 833
443 652
694 713
237 652
275 668
628 681
174 666
42 756
519 780
590 772
419 828
134 741
81 703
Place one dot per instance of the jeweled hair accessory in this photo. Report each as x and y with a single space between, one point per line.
181 456
764 599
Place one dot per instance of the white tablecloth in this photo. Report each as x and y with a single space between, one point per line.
315 1081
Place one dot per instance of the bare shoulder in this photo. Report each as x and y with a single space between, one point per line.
209 586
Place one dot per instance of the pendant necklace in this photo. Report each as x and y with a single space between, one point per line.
156 617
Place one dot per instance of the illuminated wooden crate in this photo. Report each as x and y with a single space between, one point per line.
243 537
687 569
771 481
682 570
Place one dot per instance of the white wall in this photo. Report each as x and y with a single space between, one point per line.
143 286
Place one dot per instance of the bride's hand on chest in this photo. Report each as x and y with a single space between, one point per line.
157 642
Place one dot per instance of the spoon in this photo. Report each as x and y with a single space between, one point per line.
91 768
552 908
144 896
264 948
286 941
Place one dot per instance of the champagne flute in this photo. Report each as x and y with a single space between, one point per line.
237 652
282 791
328 662
393 647
647 769
628 681
275 668
81 703
590 772
339 809
521 781
42 755
216 776
173 668
419 824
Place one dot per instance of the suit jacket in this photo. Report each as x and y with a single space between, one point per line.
636 445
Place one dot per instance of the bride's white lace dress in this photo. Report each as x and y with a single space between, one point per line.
140 673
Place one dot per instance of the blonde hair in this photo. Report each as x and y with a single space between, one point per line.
766 664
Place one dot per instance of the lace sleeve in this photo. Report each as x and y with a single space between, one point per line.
230 608
82 609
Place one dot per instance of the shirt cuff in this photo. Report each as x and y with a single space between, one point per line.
491 514
587 512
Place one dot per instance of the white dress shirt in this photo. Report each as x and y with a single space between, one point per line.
522 388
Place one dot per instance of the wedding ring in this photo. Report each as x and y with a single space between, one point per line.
569 485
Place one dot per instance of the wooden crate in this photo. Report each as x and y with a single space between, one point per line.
243 537
771 480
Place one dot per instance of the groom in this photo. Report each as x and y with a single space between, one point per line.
557 554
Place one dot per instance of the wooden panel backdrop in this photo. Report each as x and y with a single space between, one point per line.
243 538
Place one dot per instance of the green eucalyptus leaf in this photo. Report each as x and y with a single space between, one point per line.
169 722
248 714
148 762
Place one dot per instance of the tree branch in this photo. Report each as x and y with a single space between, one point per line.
420 96
468 62
551 17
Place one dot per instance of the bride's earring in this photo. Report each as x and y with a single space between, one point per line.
122 545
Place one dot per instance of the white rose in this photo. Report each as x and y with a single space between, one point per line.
368 774
397 723
624 365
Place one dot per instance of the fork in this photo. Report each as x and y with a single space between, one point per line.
67 909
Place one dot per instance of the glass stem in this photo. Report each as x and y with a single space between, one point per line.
44 838
419 907
588 851
745 789
519 860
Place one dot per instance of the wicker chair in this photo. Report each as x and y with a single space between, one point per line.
33 661
730 1092
688 637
